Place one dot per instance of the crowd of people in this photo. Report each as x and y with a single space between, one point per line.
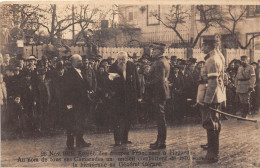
34 92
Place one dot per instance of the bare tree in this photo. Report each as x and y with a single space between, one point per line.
58 23
178 16
233 15
85 18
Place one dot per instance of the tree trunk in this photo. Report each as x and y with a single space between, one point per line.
53 24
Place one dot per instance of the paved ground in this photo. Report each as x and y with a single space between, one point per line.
239 147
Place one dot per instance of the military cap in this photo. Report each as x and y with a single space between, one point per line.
200 62
254 63
159 46
212 42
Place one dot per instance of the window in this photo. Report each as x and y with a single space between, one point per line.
130 16
253 10
151 11
257 9
255 43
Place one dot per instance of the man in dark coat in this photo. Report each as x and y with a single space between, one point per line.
125 89
76 101
159 72
177 85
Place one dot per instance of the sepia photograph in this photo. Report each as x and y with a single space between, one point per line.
167 84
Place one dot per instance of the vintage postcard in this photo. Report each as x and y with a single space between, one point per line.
130 83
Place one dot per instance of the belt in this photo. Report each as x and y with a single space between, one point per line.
244 79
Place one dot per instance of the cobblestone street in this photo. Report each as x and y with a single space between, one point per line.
239 147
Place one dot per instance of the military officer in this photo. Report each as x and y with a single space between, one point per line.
245 83
159 72
214 96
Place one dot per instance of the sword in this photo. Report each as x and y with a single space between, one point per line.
223 113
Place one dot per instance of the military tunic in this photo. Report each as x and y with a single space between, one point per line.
214 96
245 79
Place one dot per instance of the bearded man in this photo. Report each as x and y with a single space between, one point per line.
125 89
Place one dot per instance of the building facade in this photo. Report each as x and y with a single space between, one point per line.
143 17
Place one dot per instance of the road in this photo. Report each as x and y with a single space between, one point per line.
239 147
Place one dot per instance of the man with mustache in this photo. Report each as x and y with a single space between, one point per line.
159 84
76 101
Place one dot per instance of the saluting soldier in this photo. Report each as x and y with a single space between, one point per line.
160 71
245 82
214 96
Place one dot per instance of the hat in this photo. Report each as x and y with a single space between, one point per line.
184 62
110 58
244 57
173 58
192 60
31 57
159 46
134 55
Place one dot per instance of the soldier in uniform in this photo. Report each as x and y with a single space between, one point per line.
245 82
159 72
214 96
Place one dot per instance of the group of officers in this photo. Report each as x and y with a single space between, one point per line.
120 83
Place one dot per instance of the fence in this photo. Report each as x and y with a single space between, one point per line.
230 54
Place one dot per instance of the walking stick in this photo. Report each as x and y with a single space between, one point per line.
226 114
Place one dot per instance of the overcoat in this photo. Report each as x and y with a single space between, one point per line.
126 90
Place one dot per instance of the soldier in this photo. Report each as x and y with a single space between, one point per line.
245 82
160 71
214 96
